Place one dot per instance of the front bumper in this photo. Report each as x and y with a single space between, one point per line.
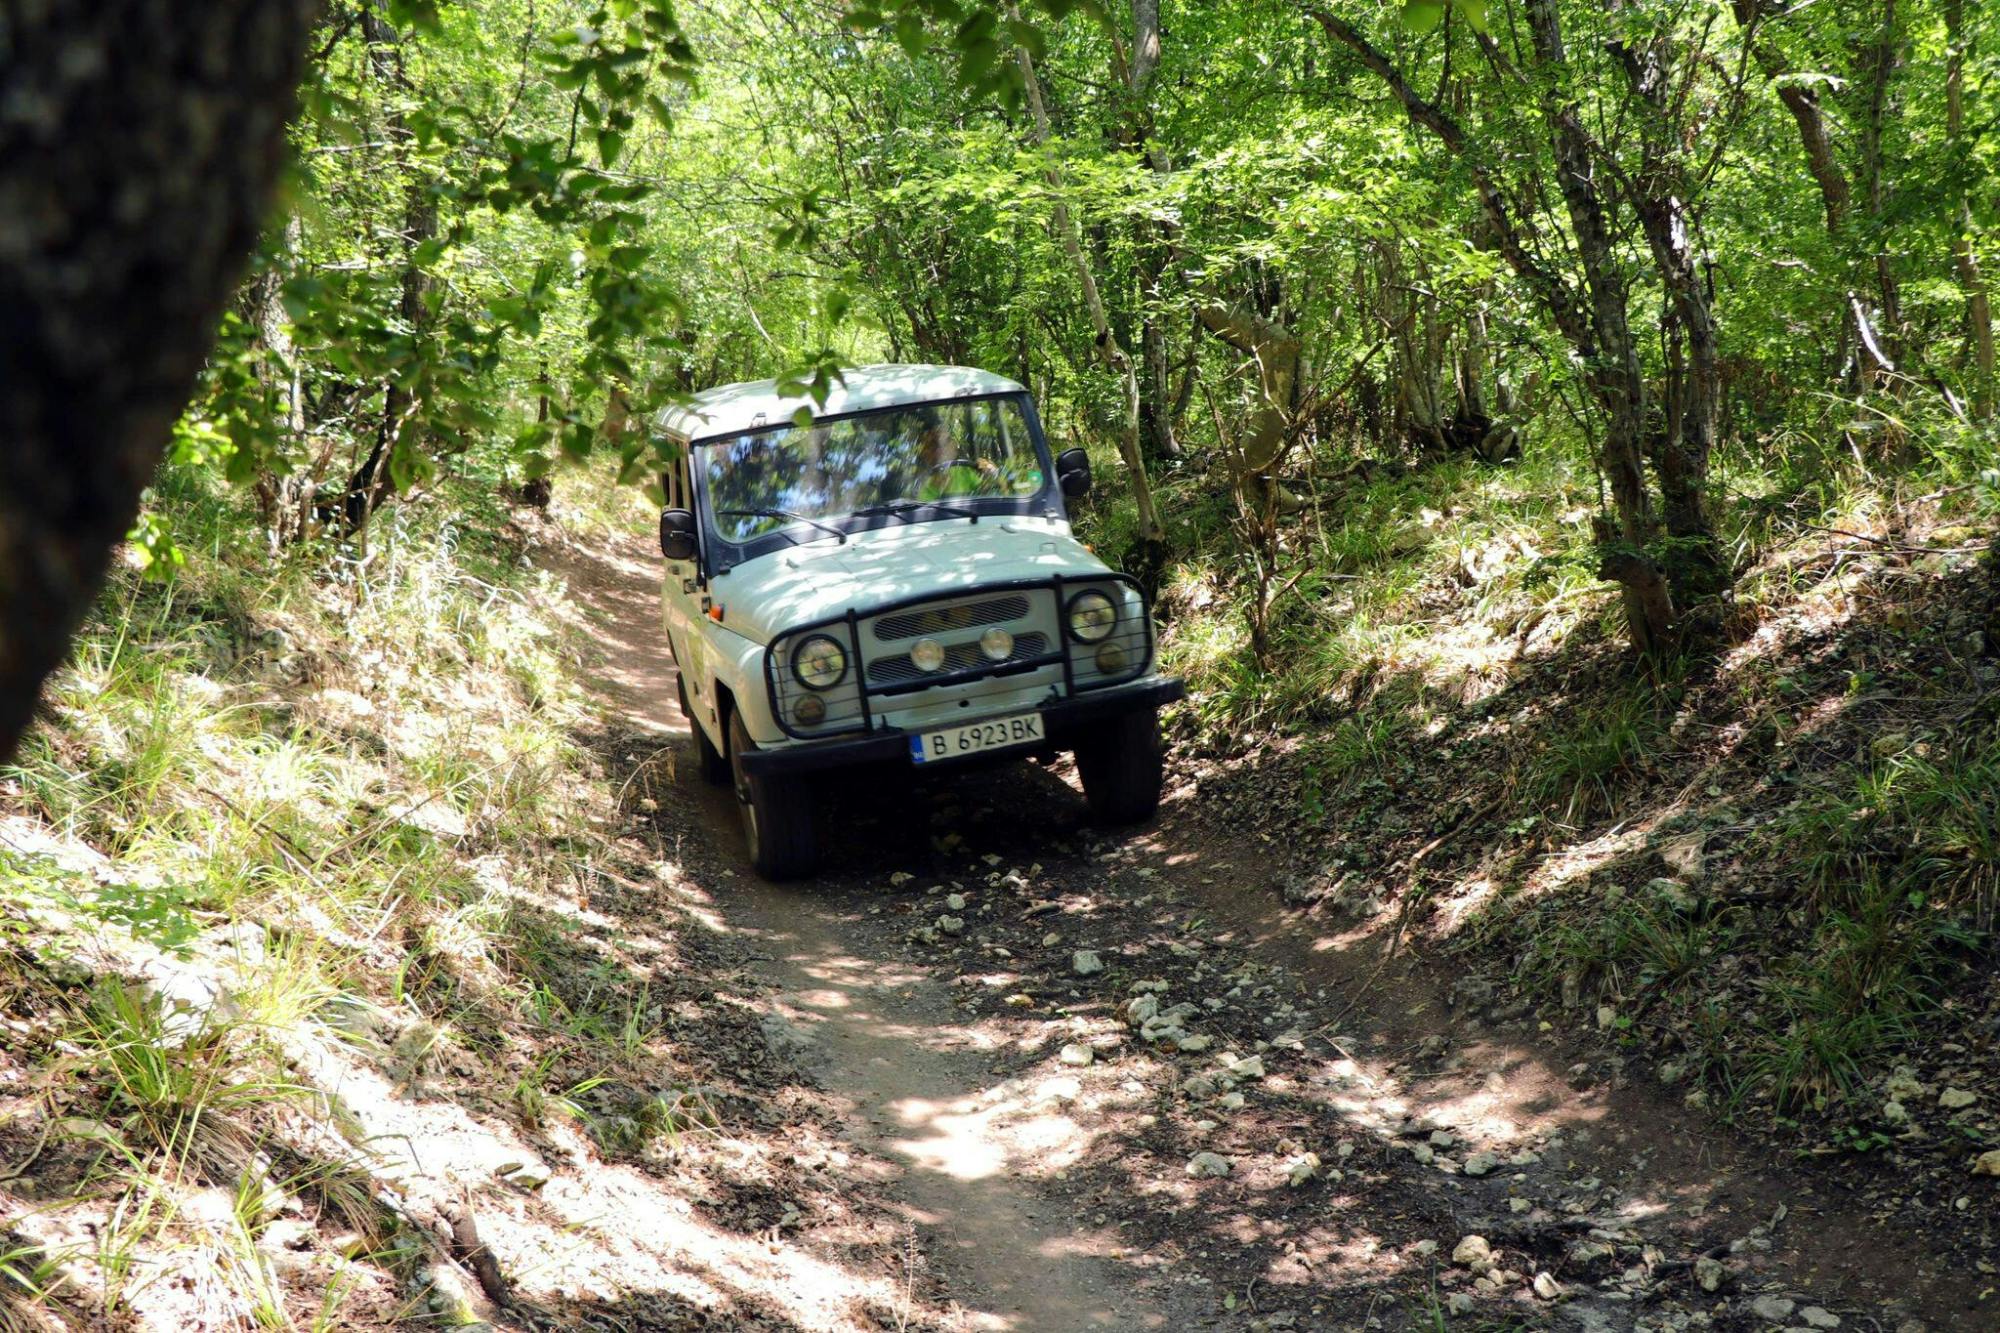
1063 720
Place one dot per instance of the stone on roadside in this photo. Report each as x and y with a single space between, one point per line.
1709 1274
1253 1067
1460 1302
1547 1287
1077 1055
1086 963
951 925
955 902
1818 1316
1987 1164
1204 1165
1195 1043
1956 1099
1472 1252
1773 1309
1481 1163
1302 1168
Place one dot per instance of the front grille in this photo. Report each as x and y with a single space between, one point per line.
945 619
900 670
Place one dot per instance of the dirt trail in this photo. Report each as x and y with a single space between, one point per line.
1378 1129
882 1037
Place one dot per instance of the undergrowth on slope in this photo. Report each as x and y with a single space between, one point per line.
1445 699
285 815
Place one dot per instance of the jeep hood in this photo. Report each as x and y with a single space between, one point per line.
823 579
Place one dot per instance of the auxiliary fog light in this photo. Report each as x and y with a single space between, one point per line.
997 644
927 654
1110 658
809 711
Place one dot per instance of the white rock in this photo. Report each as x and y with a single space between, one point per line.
1142 1009
1547 1287
1230 1101
1775 1309
1086 963
1253 1067
1606 1015
1472 1252
1956 1099
1424 1249
1895 1113
1077 1055
951 925
1519 1205
1051 940
1709 1273
900 878
1443 1138
1302 1168
1460 1302
955 902
1197 1042
1481 1163
1820 1317
1206 1164
1987 1164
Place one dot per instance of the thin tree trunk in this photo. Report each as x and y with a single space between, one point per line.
1978 308
136 162
371 485
1884 59
1681 458
1116 359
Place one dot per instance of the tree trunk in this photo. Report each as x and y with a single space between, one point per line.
1613 372
1275 349
139 141
1116 359
1681 457
374 481
1978 307
1884 59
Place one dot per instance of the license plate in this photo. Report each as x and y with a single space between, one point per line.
951 742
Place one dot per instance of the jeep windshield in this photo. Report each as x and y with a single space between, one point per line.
906 464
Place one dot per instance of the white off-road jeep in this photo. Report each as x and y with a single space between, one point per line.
894 584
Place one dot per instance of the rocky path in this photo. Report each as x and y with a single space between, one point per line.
1111 1085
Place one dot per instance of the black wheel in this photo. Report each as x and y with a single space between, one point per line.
1120 765
714 767
777 814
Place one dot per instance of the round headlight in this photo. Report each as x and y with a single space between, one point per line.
1110 658
1092 617
810 710
997 644
928 654
819 663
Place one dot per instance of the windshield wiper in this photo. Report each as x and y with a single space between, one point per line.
911 506
784 514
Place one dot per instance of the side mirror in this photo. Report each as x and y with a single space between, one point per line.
677 536
1073 472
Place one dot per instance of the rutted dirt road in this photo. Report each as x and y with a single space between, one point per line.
1050 1038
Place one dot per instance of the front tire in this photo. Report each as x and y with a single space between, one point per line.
777 814
1121 767
714 767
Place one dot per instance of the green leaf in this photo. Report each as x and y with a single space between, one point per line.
610 143
1474 13
1422 15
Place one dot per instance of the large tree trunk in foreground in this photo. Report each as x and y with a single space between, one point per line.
139 140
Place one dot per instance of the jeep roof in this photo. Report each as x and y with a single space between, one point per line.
731 409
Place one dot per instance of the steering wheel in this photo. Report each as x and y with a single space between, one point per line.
950 463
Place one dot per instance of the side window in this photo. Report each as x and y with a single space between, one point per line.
674 484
